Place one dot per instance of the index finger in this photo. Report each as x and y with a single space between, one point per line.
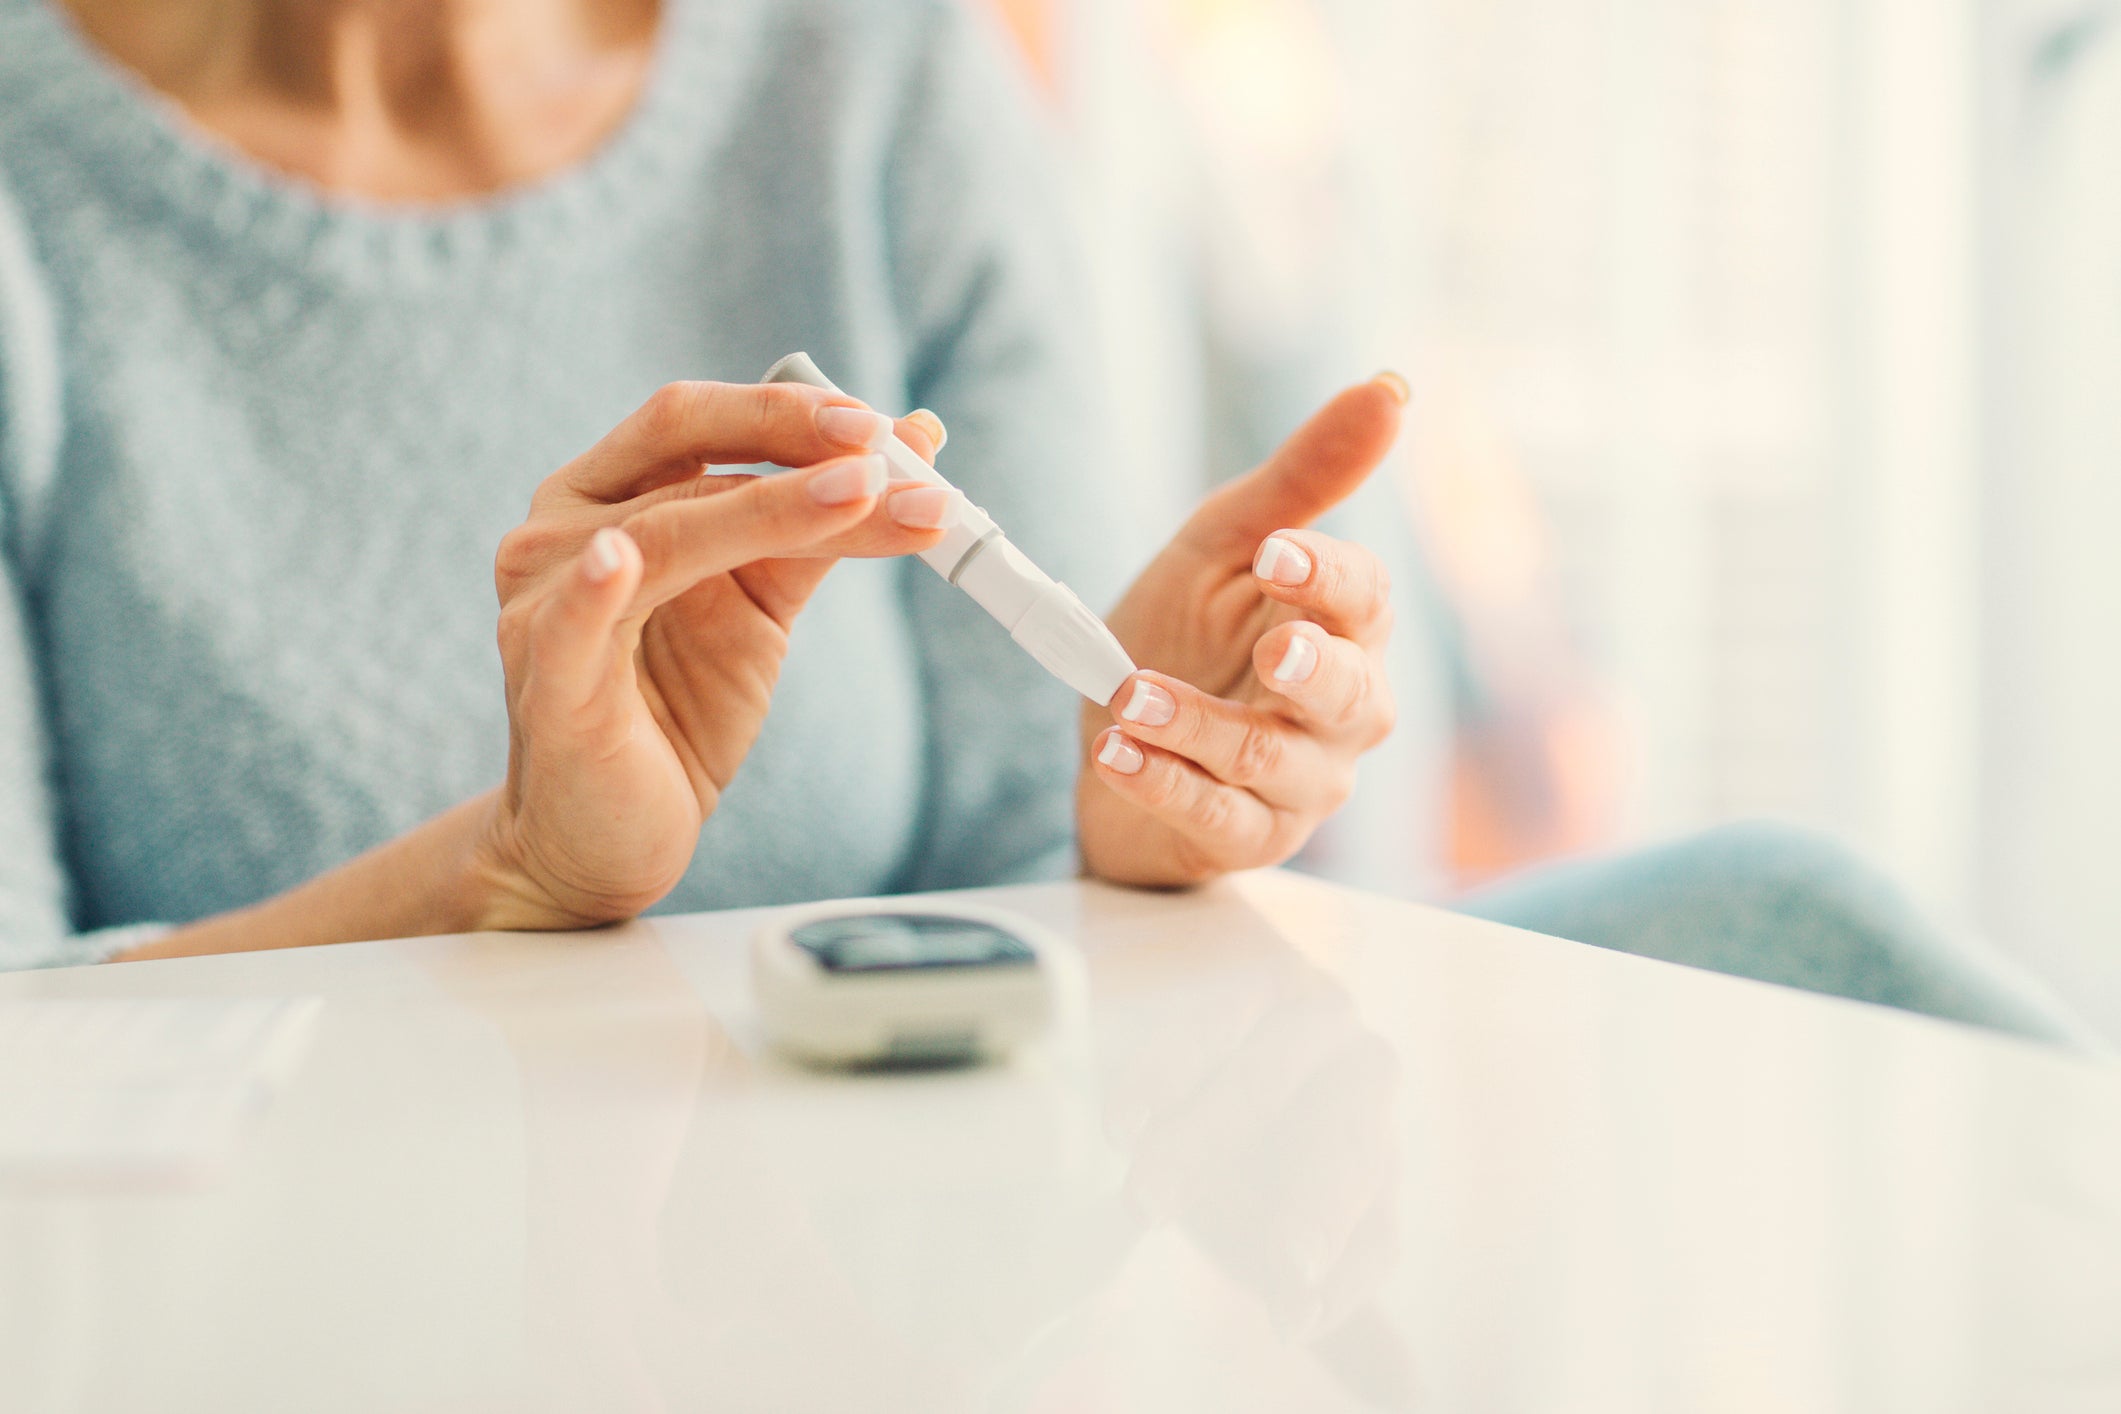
684 426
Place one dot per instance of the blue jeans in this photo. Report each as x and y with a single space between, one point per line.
1782 905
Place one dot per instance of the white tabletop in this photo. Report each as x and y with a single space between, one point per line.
1312 1151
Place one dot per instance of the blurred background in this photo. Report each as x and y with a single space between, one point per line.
1767 367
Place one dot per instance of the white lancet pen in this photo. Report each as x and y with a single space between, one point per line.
1041 614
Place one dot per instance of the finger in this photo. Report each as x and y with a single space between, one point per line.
923 432
684 426
905 522
572 634
1224 828
1238 745
1330 682
917 506
907 514
797 514
1314 470
1343 586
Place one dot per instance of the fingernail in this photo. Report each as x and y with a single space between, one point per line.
937 433
1120 754
1282 562
606 553
1299 662
849 481
1149 705
923 507
852 427
1396 384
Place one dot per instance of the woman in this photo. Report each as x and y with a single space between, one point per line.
299 300
330 305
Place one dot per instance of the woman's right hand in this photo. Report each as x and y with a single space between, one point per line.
645 610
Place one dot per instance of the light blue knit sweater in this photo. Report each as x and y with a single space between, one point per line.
257 448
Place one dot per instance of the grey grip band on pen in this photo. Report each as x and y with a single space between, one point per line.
972 554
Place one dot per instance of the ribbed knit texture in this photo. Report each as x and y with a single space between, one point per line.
258 445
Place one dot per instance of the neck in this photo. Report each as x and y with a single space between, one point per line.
397 99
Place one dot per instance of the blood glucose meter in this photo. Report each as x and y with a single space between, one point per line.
923 984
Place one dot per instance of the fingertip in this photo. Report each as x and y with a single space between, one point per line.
1281 561
851 425
915 505
1287 657
1299 660
850 482
1143 701
609 552
1117 754
1366 419
924 432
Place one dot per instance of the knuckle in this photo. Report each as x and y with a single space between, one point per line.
761 404
513 628
1355 700
1332 575
1211 814
1191 728
651 535
1162 789
766 515
668 410
508 561
1256 755
554 491
521 555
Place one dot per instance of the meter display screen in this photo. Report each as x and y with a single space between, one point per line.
896 942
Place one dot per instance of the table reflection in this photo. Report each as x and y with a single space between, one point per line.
705 1222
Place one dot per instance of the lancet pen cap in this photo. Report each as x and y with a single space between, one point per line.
799 368
1073 644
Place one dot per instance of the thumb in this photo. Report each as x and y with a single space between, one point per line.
1314 471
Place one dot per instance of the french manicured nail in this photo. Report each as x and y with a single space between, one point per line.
849 481
853 427
933 425
606 553
923 507
1149 705
1396 384
1120 754
1299 662
1282 562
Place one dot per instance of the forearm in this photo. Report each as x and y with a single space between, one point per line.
438 878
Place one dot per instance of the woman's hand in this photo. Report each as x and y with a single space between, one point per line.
1264 645
645 611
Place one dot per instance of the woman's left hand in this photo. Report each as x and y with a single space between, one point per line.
1264 679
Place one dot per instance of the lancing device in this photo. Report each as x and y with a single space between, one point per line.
1042 614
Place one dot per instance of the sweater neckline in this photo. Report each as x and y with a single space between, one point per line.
152 151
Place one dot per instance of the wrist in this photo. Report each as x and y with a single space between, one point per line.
454 874
504 892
